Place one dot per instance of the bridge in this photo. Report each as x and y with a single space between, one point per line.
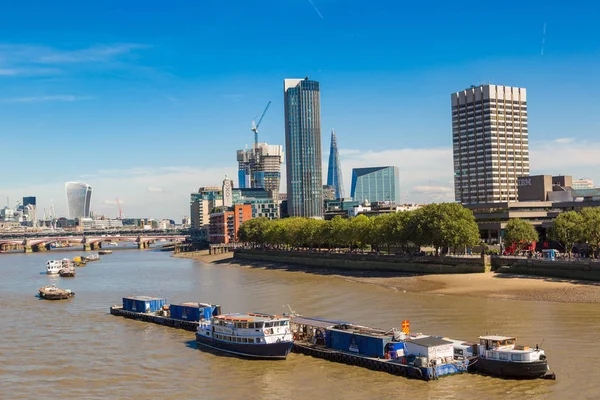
88 242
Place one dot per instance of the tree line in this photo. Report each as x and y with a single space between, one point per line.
569 229
445 225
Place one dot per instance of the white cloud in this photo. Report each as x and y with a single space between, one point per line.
421 170
564 140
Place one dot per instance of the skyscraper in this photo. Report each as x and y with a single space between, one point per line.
334 170
260 167
376 184
79 197
490 143
303 148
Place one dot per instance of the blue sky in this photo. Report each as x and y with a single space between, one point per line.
147 100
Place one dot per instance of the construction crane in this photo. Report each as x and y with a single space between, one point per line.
120 210
256 125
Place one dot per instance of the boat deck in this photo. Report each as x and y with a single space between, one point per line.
191 326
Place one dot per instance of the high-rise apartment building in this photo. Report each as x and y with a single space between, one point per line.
376 184
303 148
260 167
490 143
334 170
79 198
27 200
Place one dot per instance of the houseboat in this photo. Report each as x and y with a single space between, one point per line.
500 356
252 335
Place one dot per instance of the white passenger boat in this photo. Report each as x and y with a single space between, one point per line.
251 335
54 266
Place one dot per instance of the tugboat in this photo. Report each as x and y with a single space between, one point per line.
252 335
500 356
67 272
51 292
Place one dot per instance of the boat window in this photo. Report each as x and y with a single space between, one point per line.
504 356
258 325
268 324
516 357
510 342
250 340
285 323
257 340
251 325
244 340
244 325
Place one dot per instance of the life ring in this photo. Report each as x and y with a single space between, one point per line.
429 375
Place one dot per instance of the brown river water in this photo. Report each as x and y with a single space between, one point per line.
75 349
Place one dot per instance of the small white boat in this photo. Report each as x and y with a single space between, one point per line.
54 266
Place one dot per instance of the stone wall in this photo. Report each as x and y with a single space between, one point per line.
585 269
370 262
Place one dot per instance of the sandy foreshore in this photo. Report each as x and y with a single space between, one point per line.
485 285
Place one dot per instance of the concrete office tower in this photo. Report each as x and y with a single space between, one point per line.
79 197
490 143
376 184
303 148
260 167
334 170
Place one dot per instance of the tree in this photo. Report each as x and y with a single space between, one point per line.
520 232
591 227
360 231
444 225
567 229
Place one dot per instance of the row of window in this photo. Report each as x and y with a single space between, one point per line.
236 339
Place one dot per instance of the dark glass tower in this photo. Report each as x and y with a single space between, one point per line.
303 148
334 171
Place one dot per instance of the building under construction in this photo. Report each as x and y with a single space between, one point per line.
260 167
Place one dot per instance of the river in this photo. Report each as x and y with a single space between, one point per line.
75 349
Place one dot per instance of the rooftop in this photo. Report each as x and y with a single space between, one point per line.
496 337
430 341
250 317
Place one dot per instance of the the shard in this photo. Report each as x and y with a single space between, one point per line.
334 171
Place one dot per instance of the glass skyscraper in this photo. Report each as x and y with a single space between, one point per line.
303 148
334 170
79 197
376 184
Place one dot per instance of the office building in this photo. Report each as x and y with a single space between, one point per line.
202 203
79 197
334 170
583 183
260 167
490 143
29 200
224 225
303 148
376 184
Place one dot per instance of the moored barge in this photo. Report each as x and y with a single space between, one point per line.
399 353
156 310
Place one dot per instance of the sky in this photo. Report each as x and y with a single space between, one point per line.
149 100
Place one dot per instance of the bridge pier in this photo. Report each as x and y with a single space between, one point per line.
40 247
87 247
95 246
143 245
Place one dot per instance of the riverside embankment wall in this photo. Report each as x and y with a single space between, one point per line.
370 262
575 269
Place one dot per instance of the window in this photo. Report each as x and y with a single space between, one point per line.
516 357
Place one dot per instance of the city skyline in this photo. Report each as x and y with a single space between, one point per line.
158 120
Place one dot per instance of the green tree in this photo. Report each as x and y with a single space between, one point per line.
360 231
591 227
443 225
568 229
340 231
519 232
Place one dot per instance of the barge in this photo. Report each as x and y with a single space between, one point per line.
156 310
51 292
399 353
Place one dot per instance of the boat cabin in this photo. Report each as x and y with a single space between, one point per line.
497 342
504 348
247 328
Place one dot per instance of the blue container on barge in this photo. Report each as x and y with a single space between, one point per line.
143 304
193 311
